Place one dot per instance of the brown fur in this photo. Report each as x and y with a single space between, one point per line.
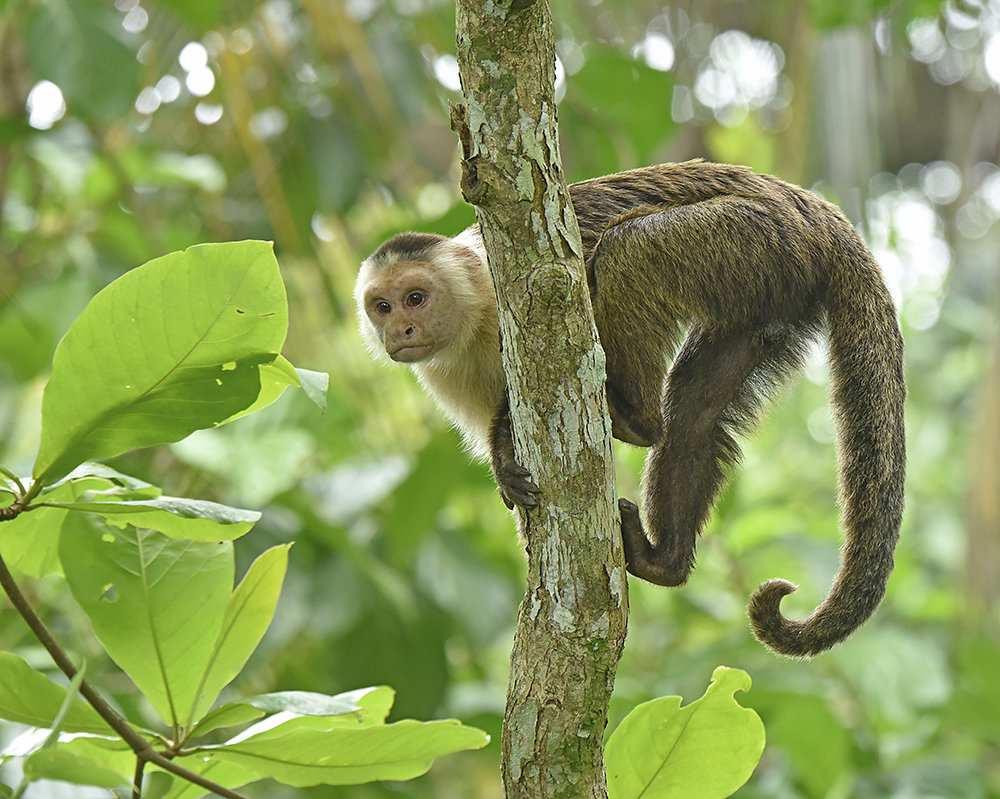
753 268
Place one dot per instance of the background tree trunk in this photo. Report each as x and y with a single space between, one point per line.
571 624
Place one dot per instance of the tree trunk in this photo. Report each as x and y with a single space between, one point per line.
571 624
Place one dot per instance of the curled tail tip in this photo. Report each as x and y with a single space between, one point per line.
798 638
771 628
766 600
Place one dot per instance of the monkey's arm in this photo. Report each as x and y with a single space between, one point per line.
513 480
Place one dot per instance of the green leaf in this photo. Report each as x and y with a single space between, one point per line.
157 605
170 347
56 764
29 697
361 706
120 486
105 752
309 703
705 750
275 377
314 750
230 714
176 517
315 385
248 615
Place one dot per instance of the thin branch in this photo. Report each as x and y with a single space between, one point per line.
142 748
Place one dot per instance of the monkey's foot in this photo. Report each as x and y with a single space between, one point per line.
516 486
641 559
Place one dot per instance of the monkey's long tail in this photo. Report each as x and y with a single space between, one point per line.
868 392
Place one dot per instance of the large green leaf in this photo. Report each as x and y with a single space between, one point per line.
247 618
29 697
705 750
314 750
170 347
157 605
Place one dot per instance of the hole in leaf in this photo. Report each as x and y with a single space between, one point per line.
109 594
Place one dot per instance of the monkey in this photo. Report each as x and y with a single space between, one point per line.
708 283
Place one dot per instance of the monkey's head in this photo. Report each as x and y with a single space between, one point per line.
417 296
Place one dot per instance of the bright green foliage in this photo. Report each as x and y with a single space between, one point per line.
167 349
188 341
247 617
350 746
315 750
58 764
705 750
82 760
29 697
175 517
30 541
406 570
157 604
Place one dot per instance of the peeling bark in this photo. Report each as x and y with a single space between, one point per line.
571 623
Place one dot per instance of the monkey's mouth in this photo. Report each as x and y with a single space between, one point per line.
411 353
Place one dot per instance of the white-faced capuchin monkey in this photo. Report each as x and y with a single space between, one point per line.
753 269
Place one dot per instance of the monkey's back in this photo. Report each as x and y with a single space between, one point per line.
600 201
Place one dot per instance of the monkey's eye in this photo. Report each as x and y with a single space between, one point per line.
382 307
414 298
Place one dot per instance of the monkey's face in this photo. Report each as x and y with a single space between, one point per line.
408 309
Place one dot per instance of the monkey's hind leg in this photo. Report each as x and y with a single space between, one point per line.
634 351
685 470
715 391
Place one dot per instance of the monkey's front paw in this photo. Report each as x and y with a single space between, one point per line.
516 486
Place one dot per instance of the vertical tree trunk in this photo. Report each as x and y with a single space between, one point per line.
571 624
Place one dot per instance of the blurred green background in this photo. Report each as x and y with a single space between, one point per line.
131 129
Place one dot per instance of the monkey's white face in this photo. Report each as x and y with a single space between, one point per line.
408 311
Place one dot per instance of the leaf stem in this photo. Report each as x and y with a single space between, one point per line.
143 749
140 766
13 477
